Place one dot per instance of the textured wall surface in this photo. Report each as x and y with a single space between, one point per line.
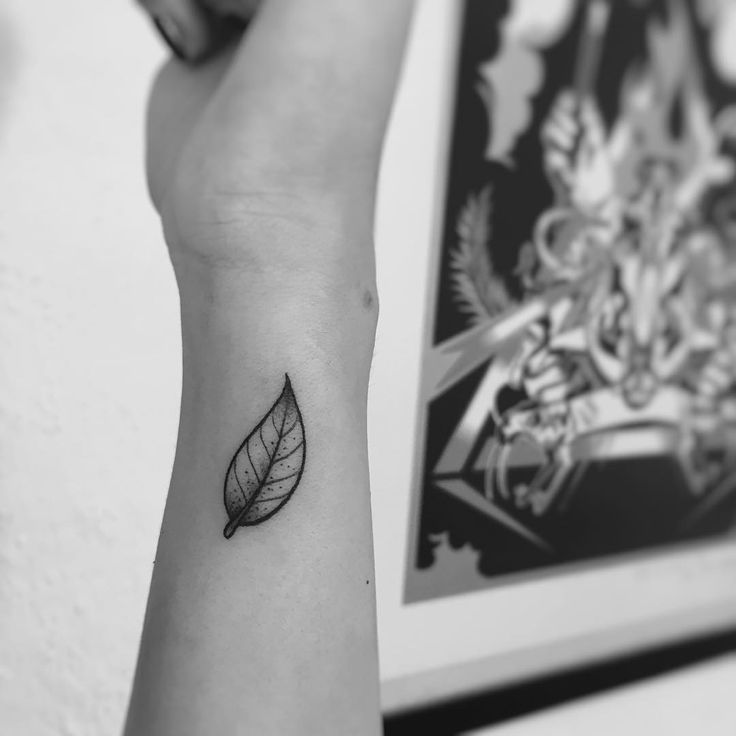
89 363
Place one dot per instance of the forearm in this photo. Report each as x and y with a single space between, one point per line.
266 198
272 630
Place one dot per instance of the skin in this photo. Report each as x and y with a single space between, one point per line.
262 162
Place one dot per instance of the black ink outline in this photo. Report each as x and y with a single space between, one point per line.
236 522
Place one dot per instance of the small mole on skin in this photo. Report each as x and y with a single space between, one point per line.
367 299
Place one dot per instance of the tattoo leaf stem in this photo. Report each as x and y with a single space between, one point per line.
268 466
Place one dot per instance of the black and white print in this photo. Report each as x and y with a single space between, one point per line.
579 376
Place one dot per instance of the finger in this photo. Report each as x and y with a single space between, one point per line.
559 165
567 125
558 136
190 30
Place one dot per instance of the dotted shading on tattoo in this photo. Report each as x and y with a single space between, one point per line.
267 467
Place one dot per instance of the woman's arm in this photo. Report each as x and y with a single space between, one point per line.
268 213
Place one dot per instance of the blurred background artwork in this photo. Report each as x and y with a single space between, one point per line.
578 385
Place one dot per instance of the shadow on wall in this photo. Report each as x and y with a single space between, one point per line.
8 72
8 65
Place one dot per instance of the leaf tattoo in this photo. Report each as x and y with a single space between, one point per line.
268 466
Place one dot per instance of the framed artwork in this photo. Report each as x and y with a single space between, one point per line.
580 369
576 403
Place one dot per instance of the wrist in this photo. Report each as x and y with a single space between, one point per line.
274 308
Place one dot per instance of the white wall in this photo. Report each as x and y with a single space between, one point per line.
89 363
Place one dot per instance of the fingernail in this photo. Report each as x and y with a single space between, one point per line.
171 33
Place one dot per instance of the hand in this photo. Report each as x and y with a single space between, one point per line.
576 154
282 128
